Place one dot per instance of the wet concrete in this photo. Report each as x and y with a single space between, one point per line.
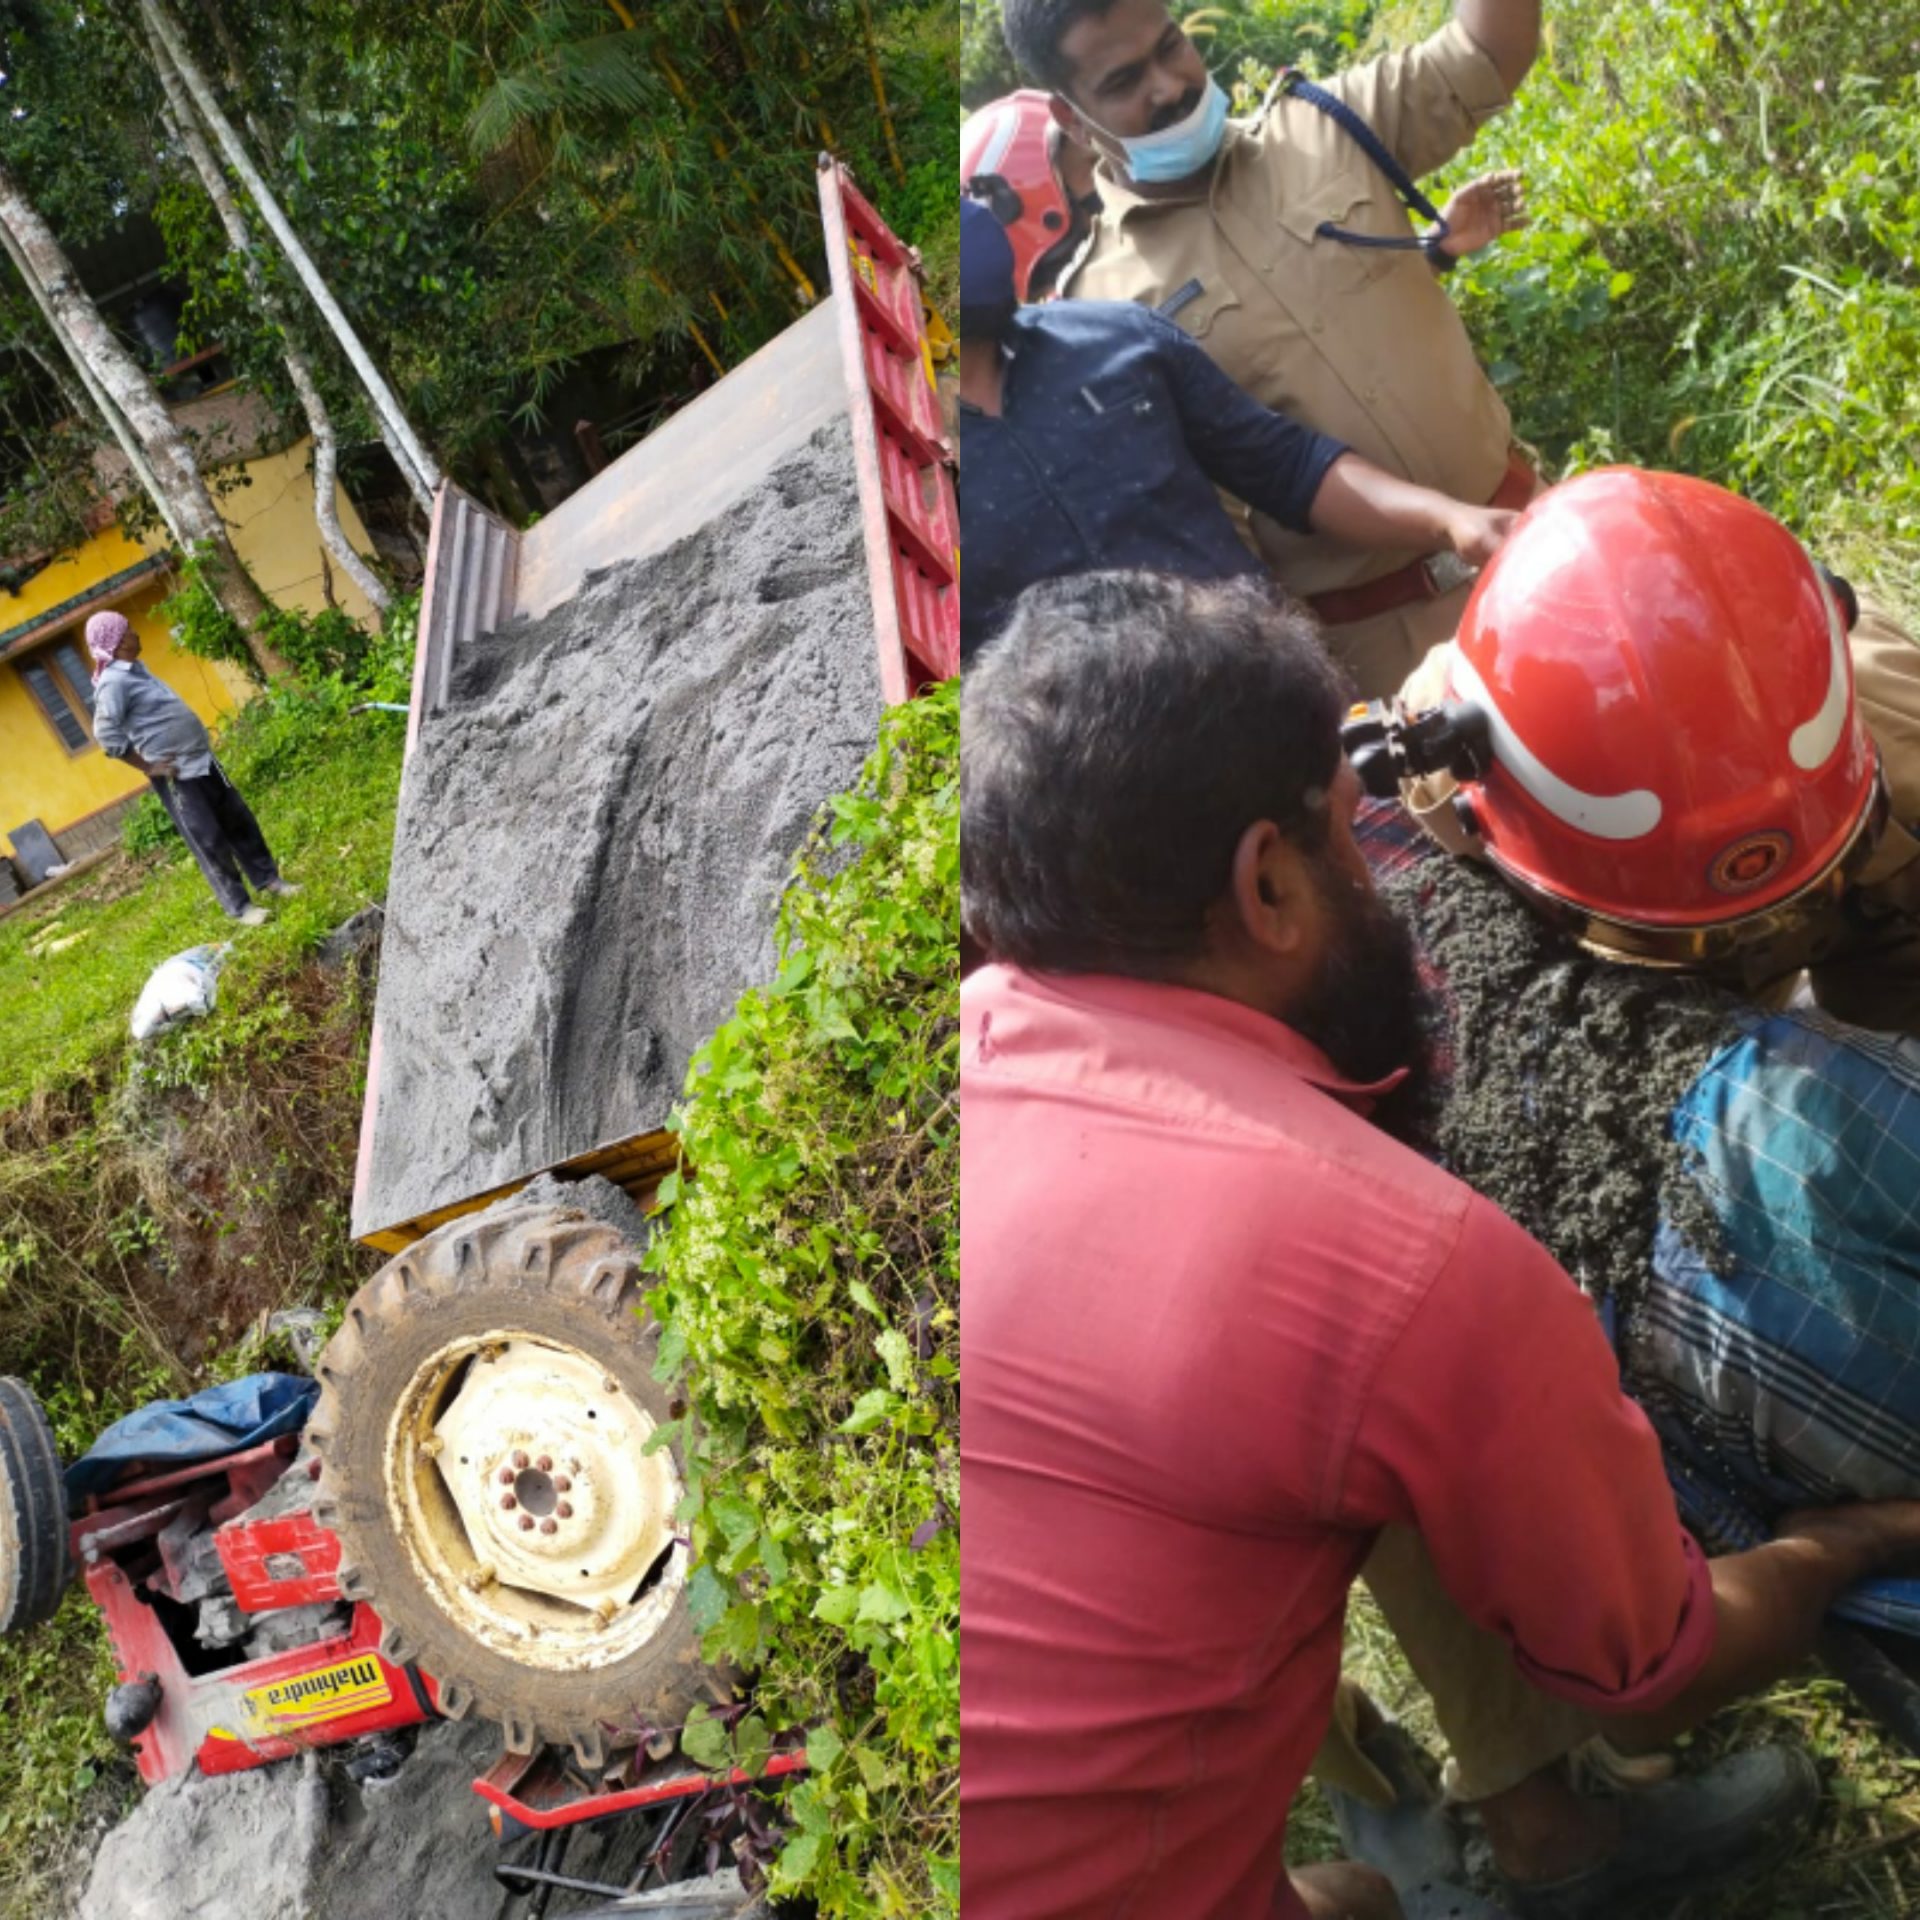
1565 1070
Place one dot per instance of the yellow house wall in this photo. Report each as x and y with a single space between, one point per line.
274 534
39 779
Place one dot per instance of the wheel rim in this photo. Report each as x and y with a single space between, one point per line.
517 1478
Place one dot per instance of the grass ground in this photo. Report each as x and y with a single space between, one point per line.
324 785
1861 1861
72 964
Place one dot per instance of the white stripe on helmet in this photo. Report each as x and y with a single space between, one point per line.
1607 816
1812 743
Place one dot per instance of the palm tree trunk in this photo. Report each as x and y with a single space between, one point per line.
326 512
193 518
416 465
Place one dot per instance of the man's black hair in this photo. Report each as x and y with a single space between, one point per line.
1034 30
1116 740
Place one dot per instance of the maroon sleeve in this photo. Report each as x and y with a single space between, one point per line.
1497 1427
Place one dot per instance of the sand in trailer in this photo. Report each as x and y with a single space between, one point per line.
593 837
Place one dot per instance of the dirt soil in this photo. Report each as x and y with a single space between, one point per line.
593 837
229 1849
598 1199
1565 1070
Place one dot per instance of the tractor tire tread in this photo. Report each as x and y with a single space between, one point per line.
562 1270
35 1564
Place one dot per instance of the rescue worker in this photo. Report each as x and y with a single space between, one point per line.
1284 248
1698 791
1093 434
1037 178
1652 662
142 721
1221 1330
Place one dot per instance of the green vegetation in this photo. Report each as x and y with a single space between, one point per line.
324 785
155 1201
809 1291
526 207
57 1766
1721 275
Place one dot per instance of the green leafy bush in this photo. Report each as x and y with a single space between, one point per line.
329 644
147 829
199 624
809 1297
1721 276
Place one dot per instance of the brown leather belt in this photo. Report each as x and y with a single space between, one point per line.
1424 579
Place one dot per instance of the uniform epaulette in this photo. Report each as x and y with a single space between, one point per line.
1063 281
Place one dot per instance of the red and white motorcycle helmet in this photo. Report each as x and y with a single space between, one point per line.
1672 763
1009 157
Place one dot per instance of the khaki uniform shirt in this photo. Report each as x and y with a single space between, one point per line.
1357 342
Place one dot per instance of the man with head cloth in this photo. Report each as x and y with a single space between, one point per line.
142 721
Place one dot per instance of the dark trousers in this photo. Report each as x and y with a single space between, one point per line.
225 837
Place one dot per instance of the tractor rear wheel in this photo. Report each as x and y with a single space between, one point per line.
482 1426
35 1566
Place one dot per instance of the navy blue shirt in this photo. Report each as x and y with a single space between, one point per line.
1114 430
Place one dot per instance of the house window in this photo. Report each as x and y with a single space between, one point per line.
59 679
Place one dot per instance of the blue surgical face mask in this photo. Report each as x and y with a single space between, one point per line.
1181 150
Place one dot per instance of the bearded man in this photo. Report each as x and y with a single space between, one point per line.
1223 1332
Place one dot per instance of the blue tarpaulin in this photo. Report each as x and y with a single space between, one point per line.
176 1433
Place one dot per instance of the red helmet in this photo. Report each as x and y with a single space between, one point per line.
1671 759
1009 158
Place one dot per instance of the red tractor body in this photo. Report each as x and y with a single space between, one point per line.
143 1552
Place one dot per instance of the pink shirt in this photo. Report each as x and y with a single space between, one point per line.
1218 1330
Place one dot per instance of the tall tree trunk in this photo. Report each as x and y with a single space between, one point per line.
417 466
96 399
326 510
176 474
77 400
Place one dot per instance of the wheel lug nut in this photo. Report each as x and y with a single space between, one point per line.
563 1511
526 1523
548 1526
519 1457
508 1503
545 1463
506 1476
561 1484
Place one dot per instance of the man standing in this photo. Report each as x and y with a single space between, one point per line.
1093 434
145 723
1221 1329
1285 250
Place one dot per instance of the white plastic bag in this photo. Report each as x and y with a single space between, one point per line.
178 989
